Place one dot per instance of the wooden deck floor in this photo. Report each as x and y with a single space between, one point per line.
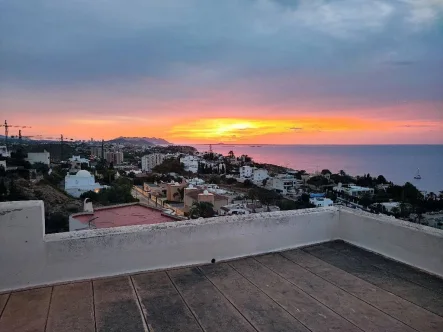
328 287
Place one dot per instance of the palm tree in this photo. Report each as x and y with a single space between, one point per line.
181 192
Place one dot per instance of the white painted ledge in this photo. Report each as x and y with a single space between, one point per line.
29 258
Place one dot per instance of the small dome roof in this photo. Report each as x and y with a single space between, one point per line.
83 174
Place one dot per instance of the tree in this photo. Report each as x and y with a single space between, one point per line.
41 167
305 198
201 209
342 173
14 194
215 179
231 154
56 223
264 182
325 171
381 179
231 181
3 191
92 195
248 183
181 192
365 200
252 194
2 171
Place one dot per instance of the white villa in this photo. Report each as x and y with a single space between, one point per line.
259 174
321 201
353 190
245 171
284 183
83 181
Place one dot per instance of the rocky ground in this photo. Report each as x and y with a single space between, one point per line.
56 201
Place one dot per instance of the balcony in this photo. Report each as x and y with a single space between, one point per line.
304 270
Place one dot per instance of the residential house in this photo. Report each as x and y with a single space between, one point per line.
39 157
352 190
82 182
245 172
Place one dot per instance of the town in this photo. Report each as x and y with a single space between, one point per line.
98 184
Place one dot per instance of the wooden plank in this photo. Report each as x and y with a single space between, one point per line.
72 308
162 304
310 312
356 311
26 311
3 300
407 290
116 306
263 313
404 271
211 308
405 311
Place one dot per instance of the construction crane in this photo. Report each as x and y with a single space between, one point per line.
7 126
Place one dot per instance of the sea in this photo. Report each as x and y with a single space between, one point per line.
397 163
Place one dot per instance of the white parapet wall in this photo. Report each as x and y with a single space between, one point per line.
29 258
417 245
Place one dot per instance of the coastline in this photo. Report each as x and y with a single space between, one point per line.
398 163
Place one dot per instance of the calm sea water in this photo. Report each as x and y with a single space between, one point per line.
398 163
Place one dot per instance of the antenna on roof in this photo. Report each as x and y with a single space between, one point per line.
90 225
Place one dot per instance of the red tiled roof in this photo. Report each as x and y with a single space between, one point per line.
125 216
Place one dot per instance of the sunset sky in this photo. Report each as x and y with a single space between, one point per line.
237 71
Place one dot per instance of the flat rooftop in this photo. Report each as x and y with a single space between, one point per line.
124 216
333 286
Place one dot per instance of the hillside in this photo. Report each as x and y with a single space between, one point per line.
138 140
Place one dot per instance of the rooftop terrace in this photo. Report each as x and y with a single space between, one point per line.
279 271
329 287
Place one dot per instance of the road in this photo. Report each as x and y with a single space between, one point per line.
143 199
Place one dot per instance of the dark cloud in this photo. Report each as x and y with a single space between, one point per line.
283 49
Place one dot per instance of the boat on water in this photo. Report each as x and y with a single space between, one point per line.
417 175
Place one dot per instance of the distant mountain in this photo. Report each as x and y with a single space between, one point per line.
138 140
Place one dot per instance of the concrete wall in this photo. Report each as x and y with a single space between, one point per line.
30 258
413 244
27 258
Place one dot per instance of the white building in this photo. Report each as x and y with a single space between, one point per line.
284 184
190 163
259 174
353 190
77 161
4 151
196 181
389 206
39 157
83 181
151 160
321 201
3 164
245 171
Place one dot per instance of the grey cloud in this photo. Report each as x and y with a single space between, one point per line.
55 44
